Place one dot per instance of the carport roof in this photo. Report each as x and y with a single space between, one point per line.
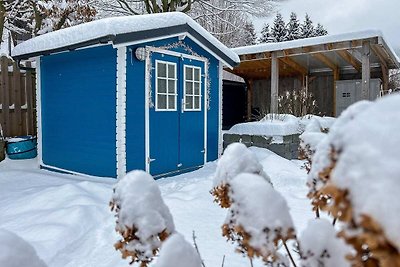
317 54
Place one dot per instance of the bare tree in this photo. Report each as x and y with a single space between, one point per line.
225 19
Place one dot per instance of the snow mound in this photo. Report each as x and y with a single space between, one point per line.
365 139
320 246
261 211
177 252
282 124
16 252
237 158
141 210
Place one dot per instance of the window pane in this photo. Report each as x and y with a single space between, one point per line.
162 102
189 88
189 73
189 102
171 71
171 102
196 74
161 70
197 89
162 86
171 87
197 102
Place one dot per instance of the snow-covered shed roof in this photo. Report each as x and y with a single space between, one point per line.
317 53
122 30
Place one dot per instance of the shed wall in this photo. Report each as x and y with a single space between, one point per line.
78 101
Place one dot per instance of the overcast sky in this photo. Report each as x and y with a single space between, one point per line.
339 16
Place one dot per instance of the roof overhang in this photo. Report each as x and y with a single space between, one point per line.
183 26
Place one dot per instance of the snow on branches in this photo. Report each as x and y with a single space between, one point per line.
237 159
258 218
176 251
143 219
320 246
16 252
357 166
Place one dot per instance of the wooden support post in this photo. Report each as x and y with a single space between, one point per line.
30 100
6 96
274 83
336 77
249 84
17 124
385 78
366 70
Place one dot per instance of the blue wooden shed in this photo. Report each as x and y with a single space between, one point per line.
125 93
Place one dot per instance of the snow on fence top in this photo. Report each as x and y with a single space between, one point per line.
270 47
365 139
111 27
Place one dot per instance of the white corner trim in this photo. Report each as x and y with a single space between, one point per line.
147 84
220 110
205 110
121 112
39 111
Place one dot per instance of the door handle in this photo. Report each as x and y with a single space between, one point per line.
150 160
182 105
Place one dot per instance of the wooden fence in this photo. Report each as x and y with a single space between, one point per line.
17 99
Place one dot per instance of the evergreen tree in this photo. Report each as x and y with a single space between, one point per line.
265 34
307 28
293 28
278 31
320 30
250 36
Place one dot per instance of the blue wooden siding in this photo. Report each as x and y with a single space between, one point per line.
135 124
135 112
78 99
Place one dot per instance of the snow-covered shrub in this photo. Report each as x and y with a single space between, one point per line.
16 252
143 219
358 166
258 218
320 246
313 134
177 252
237 158
325 157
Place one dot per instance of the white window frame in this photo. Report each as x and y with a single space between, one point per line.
167 94
193 95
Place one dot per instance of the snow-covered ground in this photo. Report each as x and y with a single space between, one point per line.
67 218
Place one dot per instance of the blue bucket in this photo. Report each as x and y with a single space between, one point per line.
22 147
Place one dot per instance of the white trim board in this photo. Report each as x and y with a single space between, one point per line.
220 110
39 110
121 113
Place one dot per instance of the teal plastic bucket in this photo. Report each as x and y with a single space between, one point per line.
22 147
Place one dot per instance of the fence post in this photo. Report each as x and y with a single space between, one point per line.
17 124
6 96
29 88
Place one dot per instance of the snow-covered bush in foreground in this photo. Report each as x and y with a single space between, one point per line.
16 252
143 219
313 134
176 251
237 158
358 167
320 246
258 218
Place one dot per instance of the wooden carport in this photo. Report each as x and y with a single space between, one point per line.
357 54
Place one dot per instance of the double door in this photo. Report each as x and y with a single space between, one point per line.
177 114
